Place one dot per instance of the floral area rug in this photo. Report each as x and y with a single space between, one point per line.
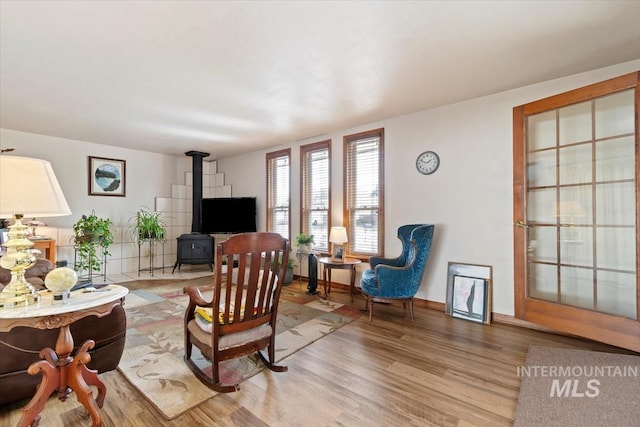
153 356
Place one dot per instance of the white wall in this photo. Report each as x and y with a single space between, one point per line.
148 176
469 198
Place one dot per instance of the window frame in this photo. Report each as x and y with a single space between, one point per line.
304 150
270 158
347 141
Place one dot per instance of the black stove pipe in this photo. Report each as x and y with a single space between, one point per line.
197 157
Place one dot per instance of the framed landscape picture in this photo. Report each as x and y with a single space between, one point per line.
469 292
107 177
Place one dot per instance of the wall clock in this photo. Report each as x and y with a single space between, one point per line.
427 162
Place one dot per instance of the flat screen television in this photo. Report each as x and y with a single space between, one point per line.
228 215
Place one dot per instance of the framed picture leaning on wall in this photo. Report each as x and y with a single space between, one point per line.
470 298
469 292
107 177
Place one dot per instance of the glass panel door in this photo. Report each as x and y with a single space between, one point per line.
576 193
580 205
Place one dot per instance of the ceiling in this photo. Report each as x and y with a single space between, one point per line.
228 77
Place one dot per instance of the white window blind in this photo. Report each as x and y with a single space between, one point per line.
315 192
278 195
364 192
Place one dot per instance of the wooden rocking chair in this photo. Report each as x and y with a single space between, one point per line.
244 306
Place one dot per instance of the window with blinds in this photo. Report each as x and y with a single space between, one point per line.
364 192
278 194
315 196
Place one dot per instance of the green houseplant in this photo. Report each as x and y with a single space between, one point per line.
148 224
288 276
304 242
92 237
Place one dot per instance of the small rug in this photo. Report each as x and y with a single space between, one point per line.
563 387
153 356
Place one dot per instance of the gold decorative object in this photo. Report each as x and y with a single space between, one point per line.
28 187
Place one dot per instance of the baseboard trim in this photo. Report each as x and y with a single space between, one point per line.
432 305
505 319
510 320
498 318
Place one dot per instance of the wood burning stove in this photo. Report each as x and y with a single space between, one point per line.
195 248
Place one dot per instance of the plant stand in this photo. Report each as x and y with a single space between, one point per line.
300 255
88 278
152 249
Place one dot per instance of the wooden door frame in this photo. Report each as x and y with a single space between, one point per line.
607 328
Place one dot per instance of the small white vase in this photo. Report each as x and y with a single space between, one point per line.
305 249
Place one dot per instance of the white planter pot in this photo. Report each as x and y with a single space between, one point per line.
305 249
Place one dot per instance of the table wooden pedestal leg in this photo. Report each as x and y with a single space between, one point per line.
352 281
326 271
326 275
62 372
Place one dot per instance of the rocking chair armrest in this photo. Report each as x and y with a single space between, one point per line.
195 296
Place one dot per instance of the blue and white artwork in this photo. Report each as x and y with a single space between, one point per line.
106 177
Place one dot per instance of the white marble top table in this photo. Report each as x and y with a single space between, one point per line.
47 315
61 371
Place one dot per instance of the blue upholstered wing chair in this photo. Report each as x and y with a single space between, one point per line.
404 234
398 279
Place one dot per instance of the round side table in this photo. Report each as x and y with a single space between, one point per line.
347 264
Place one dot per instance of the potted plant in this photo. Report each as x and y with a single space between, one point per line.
288 276
304 242
91 232
148 224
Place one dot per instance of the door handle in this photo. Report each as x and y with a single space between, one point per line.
522 224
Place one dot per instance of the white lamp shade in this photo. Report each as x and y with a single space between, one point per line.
29 187
338 235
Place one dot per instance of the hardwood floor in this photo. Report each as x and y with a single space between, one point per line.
437 371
